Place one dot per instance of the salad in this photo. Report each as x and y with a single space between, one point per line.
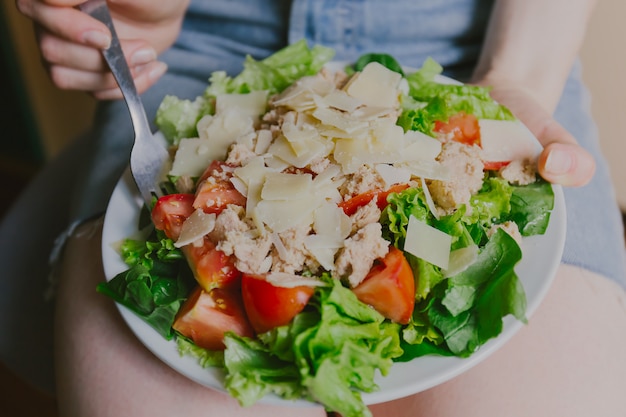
322 222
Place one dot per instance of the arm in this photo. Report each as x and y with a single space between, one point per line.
527 56
70 41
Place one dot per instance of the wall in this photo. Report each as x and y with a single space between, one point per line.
62 115
604 57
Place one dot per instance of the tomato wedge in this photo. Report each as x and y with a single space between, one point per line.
351 205
212 268
215 191
390 287
495 165
463 127
269 306
206 316
170 212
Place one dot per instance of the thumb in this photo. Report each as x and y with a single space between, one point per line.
566 164
562 160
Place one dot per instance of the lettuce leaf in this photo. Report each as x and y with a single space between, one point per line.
177 118
429 101
274 73
155 285
531 206
465 311
155 299
329 353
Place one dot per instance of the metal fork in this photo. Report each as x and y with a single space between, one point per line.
148 155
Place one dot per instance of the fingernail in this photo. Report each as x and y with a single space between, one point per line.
559 162
97 39
143 56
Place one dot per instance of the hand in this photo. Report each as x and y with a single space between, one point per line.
70 41
562 160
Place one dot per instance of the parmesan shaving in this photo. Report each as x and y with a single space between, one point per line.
195 227
285 280
428 243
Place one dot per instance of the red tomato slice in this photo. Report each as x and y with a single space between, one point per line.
269 306
170 212
212 268
390 287
351 206
215 191
463 127
206 316
495 165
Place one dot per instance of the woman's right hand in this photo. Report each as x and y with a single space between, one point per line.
70 41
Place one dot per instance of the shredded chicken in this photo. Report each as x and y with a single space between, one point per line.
466 169
520 172
364 179
367 214
293 255
359 253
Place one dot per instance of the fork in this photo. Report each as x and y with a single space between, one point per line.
148 155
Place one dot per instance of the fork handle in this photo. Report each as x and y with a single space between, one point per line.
99 10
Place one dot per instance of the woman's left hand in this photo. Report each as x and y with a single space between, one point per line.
562 160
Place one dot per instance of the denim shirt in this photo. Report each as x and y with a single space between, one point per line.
450 31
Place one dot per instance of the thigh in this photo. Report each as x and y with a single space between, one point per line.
569 360
103 370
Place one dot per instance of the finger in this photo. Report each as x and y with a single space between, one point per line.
57 51
75 79
67 23
562 160
566 164
144 78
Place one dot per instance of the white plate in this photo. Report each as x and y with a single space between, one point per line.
536 270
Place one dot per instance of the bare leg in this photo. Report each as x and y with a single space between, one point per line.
569 361
103 370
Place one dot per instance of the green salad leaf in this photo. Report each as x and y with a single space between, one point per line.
177 118
429 101
155 285
329 353
383 59
465 311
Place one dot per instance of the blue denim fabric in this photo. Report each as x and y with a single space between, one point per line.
450 31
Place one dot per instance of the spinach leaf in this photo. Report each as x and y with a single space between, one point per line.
155 299
384 59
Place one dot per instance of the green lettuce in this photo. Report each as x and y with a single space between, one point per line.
456 315
155 285
429 101
463 312
329 353
177 118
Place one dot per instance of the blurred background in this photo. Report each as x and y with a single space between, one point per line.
37 121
